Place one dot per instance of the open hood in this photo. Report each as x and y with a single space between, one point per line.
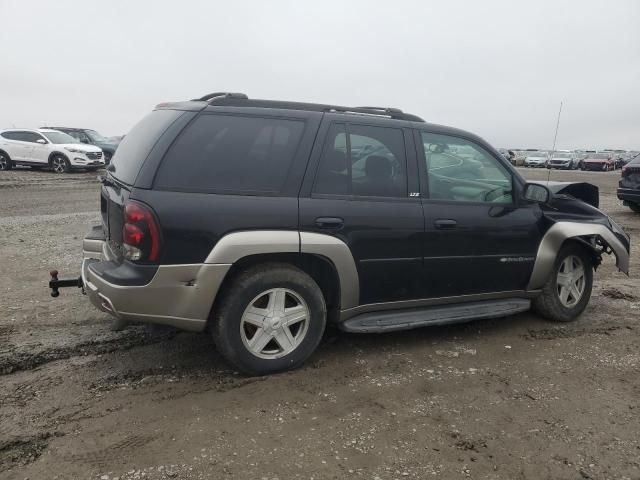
586 192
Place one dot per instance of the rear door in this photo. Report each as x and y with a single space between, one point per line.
478 237
358 188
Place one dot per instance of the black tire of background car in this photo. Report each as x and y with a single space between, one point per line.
107 158
548 304
234 299
5 162
66 166
635 207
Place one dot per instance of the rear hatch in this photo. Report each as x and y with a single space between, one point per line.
123 171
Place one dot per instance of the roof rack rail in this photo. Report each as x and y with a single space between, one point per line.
211 96
394 113
242 100
384 109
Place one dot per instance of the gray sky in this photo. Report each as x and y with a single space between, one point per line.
496 68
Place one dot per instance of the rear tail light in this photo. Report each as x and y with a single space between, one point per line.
140 233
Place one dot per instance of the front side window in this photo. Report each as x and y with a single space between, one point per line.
461 170
363 161
219 153
31 137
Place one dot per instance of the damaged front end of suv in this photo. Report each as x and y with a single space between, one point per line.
572 213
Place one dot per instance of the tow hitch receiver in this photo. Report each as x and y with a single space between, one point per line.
55 284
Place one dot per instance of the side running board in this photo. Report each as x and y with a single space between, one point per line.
387 321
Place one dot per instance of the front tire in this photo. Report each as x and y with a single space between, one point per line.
635 207
568 289
60 164
5 162
270 318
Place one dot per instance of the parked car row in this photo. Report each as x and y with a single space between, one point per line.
60 149
605 160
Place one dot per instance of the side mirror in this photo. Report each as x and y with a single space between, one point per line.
41 140
535 192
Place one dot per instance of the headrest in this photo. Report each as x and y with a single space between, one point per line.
336 161
378 167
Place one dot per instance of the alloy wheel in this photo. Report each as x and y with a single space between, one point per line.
571 281
59 165
4 162
275 323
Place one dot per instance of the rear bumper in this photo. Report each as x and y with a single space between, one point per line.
176 295
629 195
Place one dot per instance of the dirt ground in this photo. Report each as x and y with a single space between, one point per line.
511 398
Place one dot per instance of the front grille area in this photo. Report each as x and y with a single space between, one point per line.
94 155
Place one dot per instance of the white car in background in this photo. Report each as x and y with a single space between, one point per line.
536 159
47 148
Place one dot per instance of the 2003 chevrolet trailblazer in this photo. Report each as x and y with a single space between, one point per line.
260 221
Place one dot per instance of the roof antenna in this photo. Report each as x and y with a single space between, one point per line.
553 150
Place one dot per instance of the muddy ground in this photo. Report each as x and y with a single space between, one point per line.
512 398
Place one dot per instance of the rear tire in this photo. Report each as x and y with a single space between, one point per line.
269 318
60 164
566 293
5 162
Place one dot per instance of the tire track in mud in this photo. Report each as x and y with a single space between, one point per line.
22 450
13 360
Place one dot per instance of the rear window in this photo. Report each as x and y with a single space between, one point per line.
135 147
231 154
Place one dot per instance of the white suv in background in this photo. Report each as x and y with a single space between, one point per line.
47 148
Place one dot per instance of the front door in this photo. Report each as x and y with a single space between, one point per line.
361 176
40 152
479 238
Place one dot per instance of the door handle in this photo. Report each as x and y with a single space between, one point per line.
330 222
445 224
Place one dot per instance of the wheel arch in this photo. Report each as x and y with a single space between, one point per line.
595 238
55 153
5 153
327 259
319 268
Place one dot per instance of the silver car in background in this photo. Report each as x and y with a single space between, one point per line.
536 159
564 160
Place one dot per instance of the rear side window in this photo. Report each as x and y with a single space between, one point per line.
362 160
12 135
233 154
136 145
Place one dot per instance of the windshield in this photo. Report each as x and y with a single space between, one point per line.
562 155
95 136
599 156
537 155
59 137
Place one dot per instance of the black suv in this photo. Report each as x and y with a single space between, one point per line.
91 137
261 221
629 184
